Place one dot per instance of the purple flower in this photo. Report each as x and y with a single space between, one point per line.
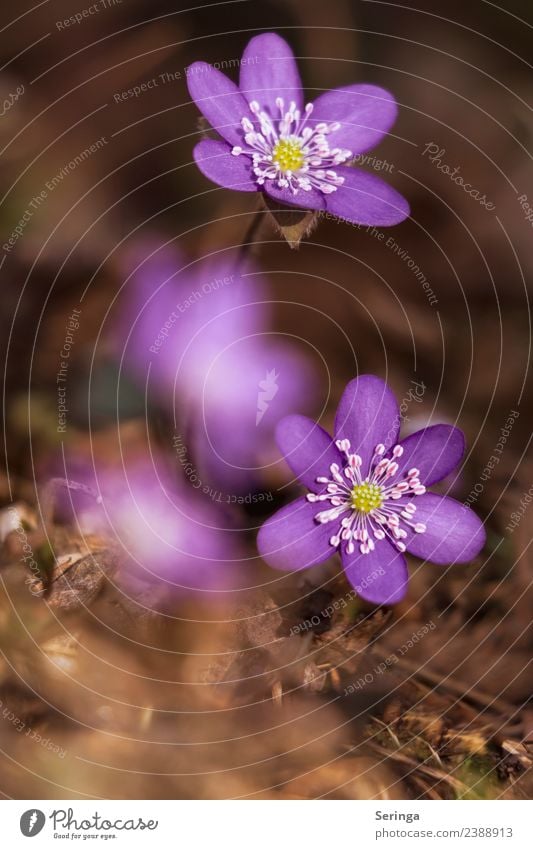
368 497
165 534
249 388
295 153
196 335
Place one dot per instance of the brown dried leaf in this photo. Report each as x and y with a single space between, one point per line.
78 570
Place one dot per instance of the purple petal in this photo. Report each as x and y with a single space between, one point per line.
454 534
380 576
268 71
217 163
292 539
366 113
367 415
312 199
434 451
219 100
236 435
307 448
366 199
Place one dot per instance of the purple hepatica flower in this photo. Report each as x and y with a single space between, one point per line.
248 389
201 333
296 154
165 533
181 315
368 497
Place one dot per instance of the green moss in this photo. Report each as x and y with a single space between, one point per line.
478 774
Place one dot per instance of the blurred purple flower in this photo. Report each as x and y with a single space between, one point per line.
368 496
198 335
236 433
164 533
296 154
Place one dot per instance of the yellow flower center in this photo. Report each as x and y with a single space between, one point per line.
366 497
287 154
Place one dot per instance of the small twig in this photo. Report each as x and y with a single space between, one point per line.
389 729
426 788
459 688
433 751
277 693
439 775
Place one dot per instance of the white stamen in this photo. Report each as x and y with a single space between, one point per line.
380 511
309 145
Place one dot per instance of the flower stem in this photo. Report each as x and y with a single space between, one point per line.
250 235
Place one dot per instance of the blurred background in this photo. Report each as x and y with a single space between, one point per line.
147 652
